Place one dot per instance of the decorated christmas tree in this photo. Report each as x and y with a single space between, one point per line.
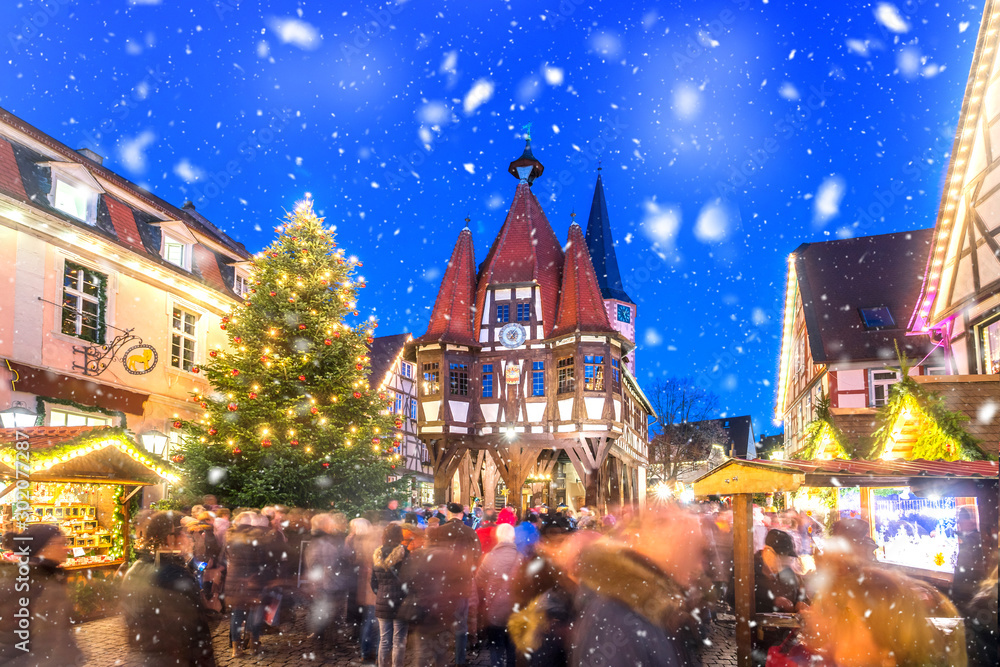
291 417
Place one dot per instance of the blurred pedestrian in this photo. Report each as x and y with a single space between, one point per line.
970 566
36 586
328 568
248 573
362 541
165 621
495 577
982 635
387 562
777 585
526 533
487 530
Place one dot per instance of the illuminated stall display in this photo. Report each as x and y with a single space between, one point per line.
80 479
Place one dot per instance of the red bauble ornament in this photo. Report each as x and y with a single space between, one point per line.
393 466
212 431
232 407
265 443
237 450
291 299
222 326
326 465
236 371
237 339
369 340
357 394
253 394
358 264
399 423
382 395
177 459
225 318
293 443
263 360
273 293
302 378
314 410
355 313
195 369
178 424
204 406
301 327
376 441
213 353
336 334
359 366
327 341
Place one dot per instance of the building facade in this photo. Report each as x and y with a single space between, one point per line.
113 296
521 361
846 306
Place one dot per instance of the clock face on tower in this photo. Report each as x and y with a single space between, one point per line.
512 335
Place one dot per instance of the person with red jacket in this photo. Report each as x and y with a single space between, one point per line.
487 530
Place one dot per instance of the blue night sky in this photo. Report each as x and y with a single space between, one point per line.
400 120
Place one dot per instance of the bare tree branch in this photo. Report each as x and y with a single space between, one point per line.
683 437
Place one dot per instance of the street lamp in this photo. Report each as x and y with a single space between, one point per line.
155 442
17 416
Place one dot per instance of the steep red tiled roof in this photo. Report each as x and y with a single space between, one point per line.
451 320
206 265
124 223
10 175
581 306
525 250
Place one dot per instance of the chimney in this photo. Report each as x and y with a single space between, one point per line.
91 155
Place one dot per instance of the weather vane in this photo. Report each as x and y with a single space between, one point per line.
527 131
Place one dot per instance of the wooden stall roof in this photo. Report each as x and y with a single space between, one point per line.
81 453
758 476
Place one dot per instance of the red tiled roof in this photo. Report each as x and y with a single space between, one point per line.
10 175
451 320
44 437
124 223
206 264
526 250
581 306
891 468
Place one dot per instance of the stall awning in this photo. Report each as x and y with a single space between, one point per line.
79 453
757 476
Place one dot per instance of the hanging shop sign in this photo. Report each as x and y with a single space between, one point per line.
138 359
513 373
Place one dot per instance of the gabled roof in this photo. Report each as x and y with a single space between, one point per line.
25 176
382 352
452 317
602 247
526 250
581 306
837 278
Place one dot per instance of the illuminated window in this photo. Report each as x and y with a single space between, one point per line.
566 376
177 253
66 418
240 285
458 379
413 409
624 313
593 373
432 379
524 312
503 313
616 375
183 339
537 378
487 381
75 200
406 369
398 404
84 294
877 317
991 347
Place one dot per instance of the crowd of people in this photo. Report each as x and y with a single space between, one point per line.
537 587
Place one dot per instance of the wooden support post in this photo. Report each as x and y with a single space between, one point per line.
465 479
743 566
490 477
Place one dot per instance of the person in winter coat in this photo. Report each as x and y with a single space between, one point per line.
494 578
982 634
248 572
362 541
487 531
166 624
387 562
632 595
36 578
465 553
329 569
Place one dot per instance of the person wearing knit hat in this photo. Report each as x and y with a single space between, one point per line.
48 638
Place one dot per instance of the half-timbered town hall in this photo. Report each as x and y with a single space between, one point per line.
527 365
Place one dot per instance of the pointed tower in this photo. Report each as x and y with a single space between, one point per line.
621 310
451 320
581 305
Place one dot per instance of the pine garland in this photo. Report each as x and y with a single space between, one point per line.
40 402
821 431
940 435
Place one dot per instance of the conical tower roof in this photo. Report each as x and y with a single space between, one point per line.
451 320
602 247
581 305
526 250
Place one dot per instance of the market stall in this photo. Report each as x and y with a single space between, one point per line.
80 478
910 505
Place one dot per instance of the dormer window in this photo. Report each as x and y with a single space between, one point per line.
177 252
75 200
241 285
